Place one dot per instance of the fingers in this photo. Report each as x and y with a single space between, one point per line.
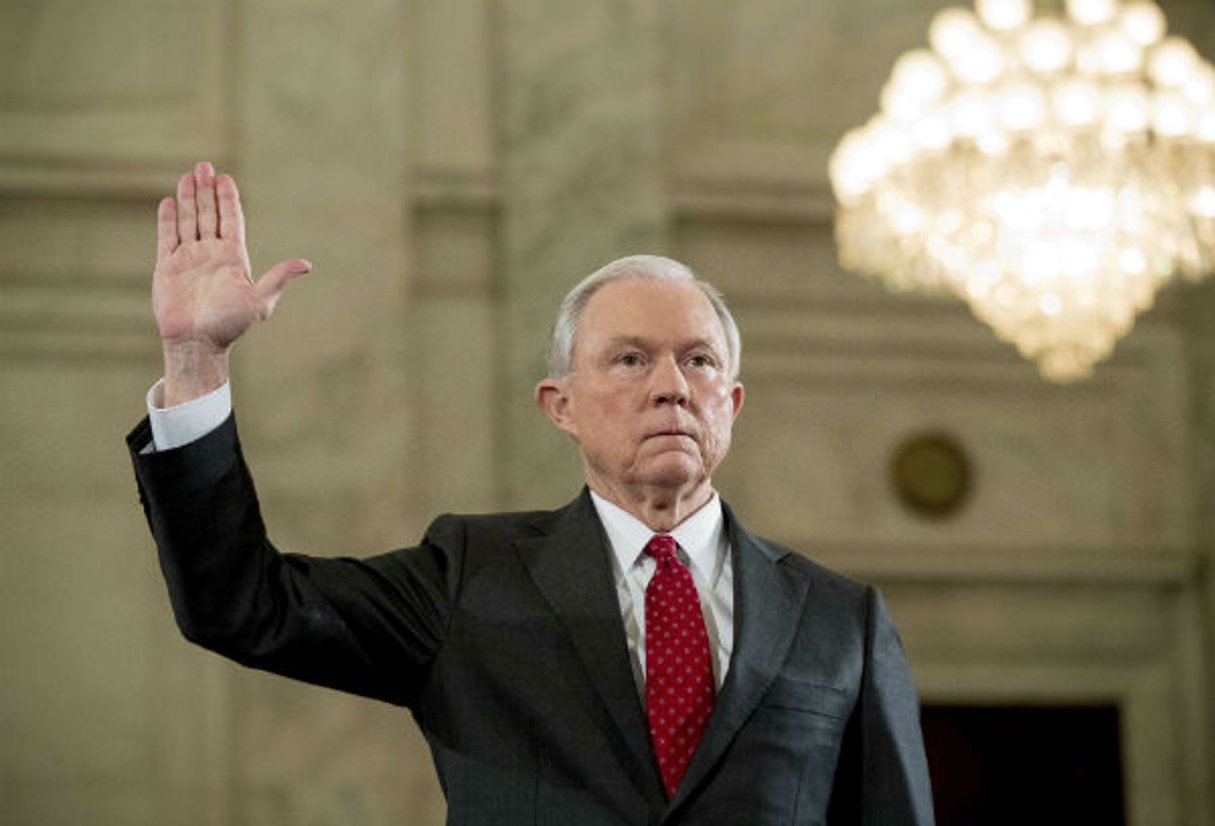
208 207
166 228
270 286
231 216
187 212
197 214
204 198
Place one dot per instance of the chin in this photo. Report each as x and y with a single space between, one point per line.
675 473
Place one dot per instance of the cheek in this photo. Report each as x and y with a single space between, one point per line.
597 409
718 417
720 401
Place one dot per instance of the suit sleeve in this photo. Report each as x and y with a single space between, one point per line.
882 778
370 627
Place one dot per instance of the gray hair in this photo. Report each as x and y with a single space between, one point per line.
653 267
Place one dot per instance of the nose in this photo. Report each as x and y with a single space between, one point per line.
668 385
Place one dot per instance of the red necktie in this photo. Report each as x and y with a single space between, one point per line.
678 674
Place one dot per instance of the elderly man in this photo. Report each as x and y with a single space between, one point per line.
635 657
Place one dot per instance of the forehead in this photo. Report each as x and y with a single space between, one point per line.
650 309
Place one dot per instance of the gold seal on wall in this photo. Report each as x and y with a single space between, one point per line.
931 474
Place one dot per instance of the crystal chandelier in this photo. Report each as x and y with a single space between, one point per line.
1052 170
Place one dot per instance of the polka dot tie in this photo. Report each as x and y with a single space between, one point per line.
678 674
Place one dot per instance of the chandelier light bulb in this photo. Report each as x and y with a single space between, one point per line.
932 132
980 63
1128 109
953 33
1143 22
917 80
899 103
972 115
1199 89
1173 61
1004 15
1052 172
1203 202
1204 127
1046 46
851 168
1171 116
890 144
1022 106
1092 12
1076 102
1117 54
922 72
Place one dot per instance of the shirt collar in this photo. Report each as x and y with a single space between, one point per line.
699 536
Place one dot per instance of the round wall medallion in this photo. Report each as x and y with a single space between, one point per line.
930 474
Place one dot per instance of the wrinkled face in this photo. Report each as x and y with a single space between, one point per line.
649 397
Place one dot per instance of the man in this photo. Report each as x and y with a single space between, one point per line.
636 657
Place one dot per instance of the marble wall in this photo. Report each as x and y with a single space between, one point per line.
451 166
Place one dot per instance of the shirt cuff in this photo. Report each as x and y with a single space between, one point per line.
173 427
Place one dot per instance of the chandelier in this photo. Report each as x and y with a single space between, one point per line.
1051 170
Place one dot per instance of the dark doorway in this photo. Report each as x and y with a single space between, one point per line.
997 765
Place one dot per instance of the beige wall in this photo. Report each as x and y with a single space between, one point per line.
451 166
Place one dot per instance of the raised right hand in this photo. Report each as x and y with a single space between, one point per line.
203 293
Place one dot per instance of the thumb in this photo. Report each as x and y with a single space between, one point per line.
270 286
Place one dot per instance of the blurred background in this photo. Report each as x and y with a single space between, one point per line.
451 167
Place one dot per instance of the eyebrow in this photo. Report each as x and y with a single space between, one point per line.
641 343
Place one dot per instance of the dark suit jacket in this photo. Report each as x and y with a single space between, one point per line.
503 635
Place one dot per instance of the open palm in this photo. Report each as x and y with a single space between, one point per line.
203 292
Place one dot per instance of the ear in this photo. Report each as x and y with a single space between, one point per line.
736 397
552 396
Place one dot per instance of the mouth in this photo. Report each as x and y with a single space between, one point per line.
672 432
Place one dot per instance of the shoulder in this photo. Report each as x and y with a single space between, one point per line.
831 598
495 529
793 563
799 564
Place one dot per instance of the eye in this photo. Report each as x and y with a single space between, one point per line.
702 361
630 359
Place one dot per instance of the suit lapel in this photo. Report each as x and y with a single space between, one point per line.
571 570
767 602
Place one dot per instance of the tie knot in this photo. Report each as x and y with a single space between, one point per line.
661 546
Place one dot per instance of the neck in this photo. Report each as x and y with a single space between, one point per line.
660 509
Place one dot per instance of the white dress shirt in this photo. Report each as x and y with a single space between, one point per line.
704 546
184 423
